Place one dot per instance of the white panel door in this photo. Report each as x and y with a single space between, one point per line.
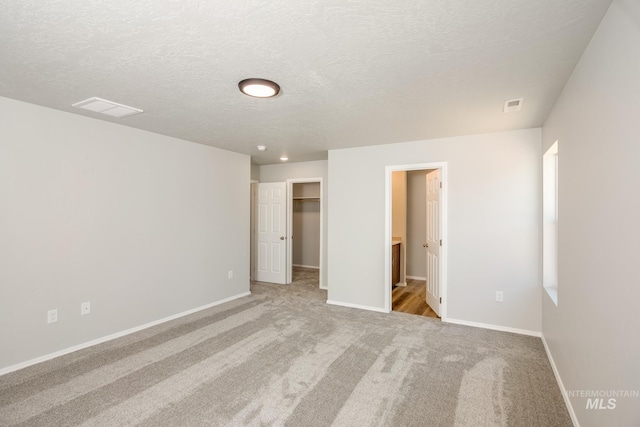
433 241
271 232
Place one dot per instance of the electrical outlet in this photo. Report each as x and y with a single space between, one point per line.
230 274
85 308
52 316
499 296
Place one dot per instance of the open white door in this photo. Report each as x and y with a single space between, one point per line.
252 238
433 241
271 234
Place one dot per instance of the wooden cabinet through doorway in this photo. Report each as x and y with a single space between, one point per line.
395 264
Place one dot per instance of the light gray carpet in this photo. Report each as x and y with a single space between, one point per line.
283 357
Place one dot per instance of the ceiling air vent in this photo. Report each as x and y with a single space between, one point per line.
512 105
109 108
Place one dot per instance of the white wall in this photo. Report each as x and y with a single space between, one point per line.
315 169
142 225
593 333
255 173
493 243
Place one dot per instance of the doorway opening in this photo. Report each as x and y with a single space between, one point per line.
415 239
286 232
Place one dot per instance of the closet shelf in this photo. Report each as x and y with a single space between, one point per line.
306 198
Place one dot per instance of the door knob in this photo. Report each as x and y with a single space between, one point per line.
425 245
281 237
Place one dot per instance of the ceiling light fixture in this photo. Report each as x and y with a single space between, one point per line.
262 147
259 88
284 158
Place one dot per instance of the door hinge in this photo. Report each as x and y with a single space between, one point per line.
440 184
440 242
440 300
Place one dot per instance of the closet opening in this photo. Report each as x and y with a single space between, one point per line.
306 231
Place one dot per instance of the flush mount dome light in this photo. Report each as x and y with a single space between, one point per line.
259 88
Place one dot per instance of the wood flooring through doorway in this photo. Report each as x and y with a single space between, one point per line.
412 299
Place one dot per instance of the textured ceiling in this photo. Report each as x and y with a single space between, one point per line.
352 72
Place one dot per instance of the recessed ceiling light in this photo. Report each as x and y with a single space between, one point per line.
284 158
262 147
259 88
110 108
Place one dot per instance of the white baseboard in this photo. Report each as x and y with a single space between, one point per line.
314 267
493 327
401 284
358 306
416 278
97 341
563 390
